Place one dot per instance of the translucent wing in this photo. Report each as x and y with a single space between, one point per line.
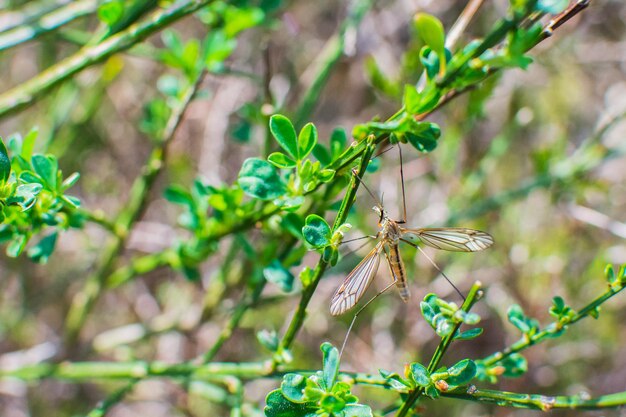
456 239
356 283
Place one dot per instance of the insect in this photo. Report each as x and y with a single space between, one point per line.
389 236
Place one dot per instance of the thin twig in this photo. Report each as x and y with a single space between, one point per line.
47 23
462 22
473 296
86 298
29 91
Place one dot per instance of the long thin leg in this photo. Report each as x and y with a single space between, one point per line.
402 181
345 340
395 280
358 238
436 267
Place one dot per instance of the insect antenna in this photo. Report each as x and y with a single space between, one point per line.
376 200
436 267
384 151
402 182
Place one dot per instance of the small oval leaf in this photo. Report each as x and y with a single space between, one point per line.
316 231
307 140
282 129
280 160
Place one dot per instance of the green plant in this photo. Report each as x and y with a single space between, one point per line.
246 245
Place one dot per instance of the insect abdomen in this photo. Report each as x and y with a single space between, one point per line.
397 268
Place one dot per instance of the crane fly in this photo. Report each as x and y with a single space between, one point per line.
389 236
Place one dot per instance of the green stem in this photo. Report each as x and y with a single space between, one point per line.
46 23
550 330
104 406
474 295
300 314
27 92
90 371
327 59
83 301
538 402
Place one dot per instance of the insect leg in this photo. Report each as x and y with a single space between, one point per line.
436 267
345 340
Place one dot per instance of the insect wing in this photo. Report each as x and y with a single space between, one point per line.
356 283
456 239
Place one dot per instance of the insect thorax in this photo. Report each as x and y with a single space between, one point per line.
390 230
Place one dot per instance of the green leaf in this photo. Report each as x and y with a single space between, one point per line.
322 154
423 136
293 223
280 160
259 179
379 80
276 405
427 311
419 374
430 29
111 11
70 181
326 175
26 195
307 139
293 386
42 250
357 410
238 18
516 318
411 99
338 141
330 362
514 365
331 404
16 246
277 274
461 373
46 166
5 162
268 339
609 273
396 382
306 276
28 144
432 392
551 6
285 134
316 231
558 305
469 334
179 195
217 47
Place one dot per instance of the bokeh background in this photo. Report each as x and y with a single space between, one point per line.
540 166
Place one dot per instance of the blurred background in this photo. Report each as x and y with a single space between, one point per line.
540 166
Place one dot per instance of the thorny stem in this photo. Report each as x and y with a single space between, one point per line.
474 295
